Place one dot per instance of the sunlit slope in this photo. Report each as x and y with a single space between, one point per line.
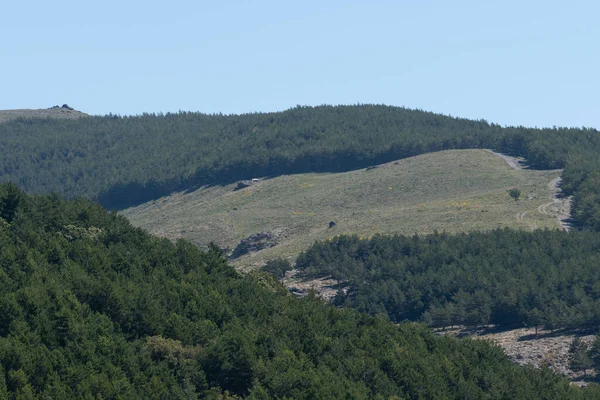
452 191
58 112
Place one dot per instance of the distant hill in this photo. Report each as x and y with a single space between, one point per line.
126 161
451 191
62 112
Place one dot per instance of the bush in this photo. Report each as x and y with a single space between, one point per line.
278 267
514 193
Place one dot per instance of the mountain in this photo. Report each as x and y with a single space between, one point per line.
126 161
92 307
450 191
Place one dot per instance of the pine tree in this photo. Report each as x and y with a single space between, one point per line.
594 353
579 358
10 199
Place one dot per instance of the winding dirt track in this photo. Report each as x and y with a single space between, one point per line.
559 207
521 215
511 161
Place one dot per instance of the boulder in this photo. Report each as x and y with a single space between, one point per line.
243 184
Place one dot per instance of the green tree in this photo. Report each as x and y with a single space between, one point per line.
514 193
579 359
122 314
278 267
594 353
534 318
10 199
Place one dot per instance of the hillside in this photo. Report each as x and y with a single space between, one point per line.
451 191
525 346
63 112
92 307
126 161
505 277
544 280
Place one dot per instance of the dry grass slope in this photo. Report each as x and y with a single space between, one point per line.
7 115
452 191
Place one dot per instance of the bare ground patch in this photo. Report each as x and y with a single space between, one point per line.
525 347
325 288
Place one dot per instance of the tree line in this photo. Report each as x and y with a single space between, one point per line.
124 161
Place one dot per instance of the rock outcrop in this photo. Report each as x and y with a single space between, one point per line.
257 242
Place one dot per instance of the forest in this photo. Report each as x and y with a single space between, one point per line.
92 307
122 161
544 278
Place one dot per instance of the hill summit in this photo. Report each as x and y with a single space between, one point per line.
59 112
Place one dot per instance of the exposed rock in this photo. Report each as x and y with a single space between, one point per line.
226 250
326 288
331 224
257 242
524 347
243 184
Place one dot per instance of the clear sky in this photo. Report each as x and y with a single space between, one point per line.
532 63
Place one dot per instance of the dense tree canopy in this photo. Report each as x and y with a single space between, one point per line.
507 277
91 307
122 161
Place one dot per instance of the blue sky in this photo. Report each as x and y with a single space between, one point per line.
532 63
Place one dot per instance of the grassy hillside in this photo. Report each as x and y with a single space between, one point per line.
125 161
59 113
453 191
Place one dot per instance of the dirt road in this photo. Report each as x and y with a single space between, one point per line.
559 207
514 162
